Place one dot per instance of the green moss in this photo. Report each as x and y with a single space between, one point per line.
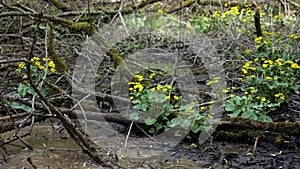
58 5
59 64
82 26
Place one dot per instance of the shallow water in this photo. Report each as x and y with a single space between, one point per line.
58 150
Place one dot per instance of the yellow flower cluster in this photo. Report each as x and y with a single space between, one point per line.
293 64
258 39
151 75
263 99
215 80
139 77
247 66
233 11
280 95
294 36
41 65
137 86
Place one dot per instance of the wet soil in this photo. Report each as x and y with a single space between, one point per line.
57 150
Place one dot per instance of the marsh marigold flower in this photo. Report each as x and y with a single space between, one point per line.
21 65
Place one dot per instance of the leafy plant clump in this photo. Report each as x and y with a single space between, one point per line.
270 75
160 107
39 68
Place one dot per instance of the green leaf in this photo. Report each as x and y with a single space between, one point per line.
174 122
150 121
265 118
152 130
247 114
20 106
196 128
234 114
229 106
144 106
23 89
134 116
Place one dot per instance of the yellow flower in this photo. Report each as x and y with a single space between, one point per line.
252 76
216 79
175 97
52 70
203 108
225 91
168 97
247 51
139 77
264 65
42 67
266 42
245 92
37 63
191 110
256 59
250 96
263 99
258 39
244 71
231 95
152 89
131 97
151 75
275 17
277 95
208 83
216 14
51 64
34 59
262 13
133 83
294 36
160 11
268 78
21 65
278 61
130 89
233 88
275 78
139 86
281 15
169 87
295 66
245 20
158 87
282 97
192 103
239 30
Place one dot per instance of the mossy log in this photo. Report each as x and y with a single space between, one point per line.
292 128
58 5
60 65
